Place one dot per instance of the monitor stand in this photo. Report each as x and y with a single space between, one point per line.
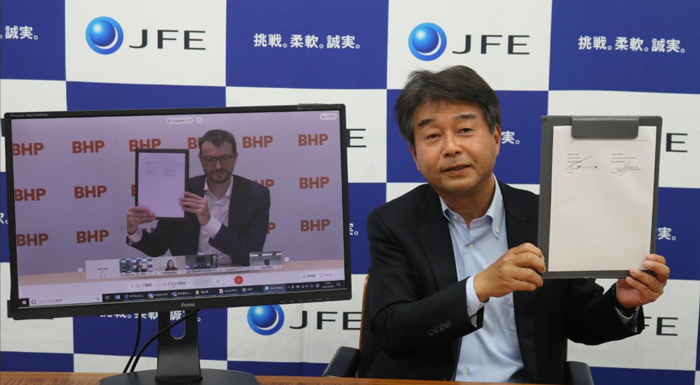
178 362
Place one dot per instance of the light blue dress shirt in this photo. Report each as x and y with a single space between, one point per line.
491 353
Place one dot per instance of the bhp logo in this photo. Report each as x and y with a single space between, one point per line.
90 146
266 182
313 182
91 236
84 192
36 239
27 148
135 144
271 226
312 139
192 143
261 141
32 194
314 224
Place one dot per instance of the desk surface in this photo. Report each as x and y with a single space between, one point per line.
40 378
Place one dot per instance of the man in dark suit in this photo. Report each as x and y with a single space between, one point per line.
456 291
225 214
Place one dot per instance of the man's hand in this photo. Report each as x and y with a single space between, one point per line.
136 216
641 288
516 270
193 203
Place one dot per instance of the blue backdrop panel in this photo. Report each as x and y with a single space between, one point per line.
399 163
33 43
582 60
36 362
616 376
358 62
519 160
677 231
364 197
104 96
4 228
95 335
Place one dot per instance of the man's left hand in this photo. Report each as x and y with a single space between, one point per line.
193 203
641 288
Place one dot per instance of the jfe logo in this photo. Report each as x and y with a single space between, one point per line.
266 320
104 35
427 41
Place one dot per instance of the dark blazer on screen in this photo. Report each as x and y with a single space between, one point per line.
246 230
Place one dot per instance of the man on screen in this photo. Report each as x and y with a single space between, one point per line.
456 291
225 214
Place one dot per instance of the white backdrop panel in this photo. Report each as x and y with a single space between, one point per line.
47 336
161 61
668 342
316 342
677 169
31 95
499 19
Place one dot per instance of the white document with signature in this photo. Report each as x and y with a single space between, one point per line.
161 182
602 201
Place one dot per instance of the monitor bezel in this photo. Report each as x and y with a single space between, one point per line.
104 308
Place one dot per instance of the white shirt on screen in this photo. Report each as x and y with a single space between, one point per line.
218 208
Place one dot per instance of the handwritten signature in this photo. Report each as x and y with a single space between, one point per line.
580 165
627 167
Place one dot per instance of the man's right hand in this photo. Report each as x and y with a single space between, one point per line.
516 270
136 216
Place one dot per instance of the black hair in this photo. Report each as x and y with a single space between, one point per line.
457 83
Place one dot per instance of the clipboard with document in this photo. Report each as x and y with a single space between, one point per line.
598 194
161 179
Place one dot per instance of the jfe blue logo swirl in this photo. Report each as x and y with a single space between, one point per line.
266 320
104 35
427 41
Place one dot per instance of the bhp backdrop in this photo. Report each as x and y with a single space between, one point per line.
542 57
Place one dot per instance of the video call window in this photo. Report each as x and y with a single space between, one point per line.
284 226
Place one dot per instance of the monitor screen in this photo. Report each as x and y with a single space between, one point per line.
126 211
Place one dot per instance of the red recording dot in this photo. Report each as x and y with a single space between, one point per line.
238 280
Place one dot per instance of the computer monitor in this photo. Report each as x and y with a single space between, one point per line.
278 235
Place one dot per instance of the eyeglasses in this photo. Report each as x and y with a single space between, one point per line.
224 160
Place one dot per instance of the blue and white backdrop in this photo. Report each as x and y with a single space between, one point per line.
629 57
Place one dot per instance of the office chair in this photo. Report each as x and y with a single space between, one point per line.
351 362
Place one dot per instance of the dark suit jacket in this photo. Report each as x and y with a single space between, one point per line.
245 231
418 309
